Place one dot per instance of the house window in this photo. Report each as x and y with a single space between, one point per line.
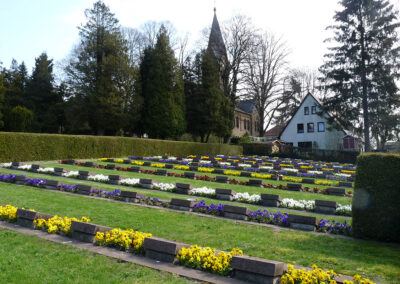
237 122
321 126
306 145
313 110
310 127
306 111
300 128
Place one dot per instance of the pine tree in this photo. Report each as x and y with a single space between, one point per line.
41 95
99 71
206 102
162 90
361 69
2 94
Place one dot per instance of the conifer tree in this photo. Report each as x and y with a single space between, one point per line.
361 69
98 72
162 90
41 96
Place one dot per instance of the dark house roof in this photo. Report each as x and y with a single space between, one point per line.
274 131
245 106
318 103
216 43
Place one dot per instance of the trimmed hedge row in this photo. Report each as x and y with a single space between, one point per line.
39 147
376 201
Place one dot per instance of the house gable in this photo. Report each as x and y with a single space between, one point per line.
315 129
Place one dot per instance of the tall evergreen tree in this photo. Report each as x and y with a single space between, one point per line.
99 72
41 95
362 68
162 90
204 97
2 93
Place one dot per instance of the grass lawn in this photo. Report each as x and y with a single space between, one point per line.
378 261
29 259
169 195
200 183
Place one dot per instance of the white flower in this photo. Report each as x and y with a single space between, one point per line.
267 167
100 177
204 162
224 163
172 158
71 174
45 170
315 172
343 209
298 204
342 175
246 197
187 160
291 170
157 157
203 191
25 167
165 186
130 181
244 165
6 165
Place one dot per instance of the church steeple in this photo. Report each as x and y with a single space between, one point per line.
216 42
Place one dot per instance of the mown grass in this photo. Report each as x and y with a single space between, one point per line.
200 183
169 195
378 261
29 259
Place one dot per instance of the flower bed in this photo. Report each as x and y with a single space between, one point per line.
57 224
127 240
207 259
317 275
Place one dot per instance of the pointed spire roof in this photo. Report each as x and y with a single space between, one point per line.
216 43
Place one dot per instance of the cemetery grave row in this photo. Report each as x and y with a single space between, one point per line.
266 168
268 200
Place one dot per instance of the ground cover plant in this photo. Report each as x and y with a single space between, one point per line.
349 256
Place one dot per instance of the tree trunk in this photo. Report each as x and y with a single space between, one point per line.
208 136
100 132
364 91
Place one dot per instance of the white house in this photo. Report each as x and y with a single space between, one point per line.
307 129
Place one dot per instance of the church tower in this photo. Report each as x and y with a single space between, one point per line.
216 46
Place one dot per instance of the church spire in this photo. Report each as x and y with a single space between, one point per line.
216 42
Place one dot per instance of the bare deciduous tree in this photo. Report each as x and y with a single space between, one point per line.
263 76
239 34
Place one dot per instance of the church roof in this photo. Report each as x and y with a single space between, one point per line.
245 106
216 42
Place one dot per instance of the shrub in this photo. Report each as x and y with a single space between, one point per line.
376 200
38 147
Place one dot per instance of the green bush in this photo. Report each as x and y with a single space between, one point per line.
376 201
40 147
257 148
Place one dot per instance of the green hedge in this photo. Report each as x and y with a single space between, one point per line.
40 147
376 201
257 148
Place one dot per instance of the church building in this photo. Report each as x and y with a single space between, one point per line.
246 118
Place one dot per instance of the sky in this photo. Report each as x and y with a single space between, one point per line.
29 27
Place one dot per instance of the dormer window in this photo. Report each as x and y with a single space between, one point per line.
306 111
313 110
